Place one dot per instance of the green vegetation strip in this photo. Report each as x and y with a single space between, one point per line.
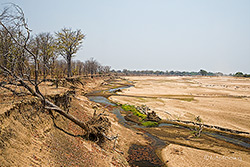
133 109
150 124
135 112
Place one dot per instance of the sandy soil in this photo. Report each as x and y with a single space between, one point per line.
180 156
221 101
29 138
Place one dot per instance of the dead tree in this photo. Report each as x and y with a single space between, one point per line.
13 16
198 130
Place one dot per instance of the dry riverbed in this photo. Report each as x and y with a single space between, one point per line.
220 101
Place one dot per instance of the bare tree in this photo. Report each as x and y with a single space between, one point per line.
5 46
11 55
14 17
77 67
68 43
47 52
106 69
91 66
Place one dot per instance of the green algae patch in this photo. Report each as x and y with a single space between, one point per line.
133 109
150 124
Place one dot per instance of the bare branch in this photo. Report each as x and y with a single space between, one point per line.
97 126
2 84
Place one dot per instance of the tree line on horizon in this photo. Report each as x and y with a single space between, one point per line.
166 73
175 73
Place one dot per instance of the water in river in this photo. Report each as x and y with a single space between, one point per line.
146 155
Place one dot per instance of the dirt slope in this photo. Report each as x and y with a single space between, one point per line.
28 136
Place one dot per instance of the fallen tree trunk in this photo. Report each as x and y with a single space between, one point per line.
52 106
96 128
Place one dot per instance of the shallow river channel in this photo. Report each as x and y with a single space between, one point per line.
147 155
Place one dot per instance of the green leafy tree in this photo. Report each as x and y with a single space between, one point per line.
68 43
238 74
203 72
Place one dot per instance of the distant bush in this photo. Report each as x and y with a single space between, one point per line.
240 74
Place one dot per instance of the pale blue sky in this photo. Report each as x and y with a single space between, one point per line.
152 34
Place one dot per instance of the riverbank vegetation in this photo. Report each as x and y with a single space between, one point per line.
28 61
150 123
44 55
133 109
143 118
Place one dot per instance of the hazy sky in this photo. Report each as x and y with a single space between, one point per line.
152 34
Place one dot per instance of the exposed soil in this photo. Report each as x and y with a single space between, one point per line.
219 101
179 156
28 136
140 155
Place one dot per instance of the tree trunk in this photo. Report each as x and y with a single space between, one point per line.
66 115
44 67
69 65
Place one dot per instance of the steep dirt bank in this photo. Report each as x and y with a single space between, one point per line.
28 136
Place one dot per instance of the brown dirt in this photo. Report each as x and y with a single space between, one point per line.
29 138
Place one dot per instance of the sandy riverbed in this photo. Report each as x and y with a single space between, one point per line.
180 156
221 101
